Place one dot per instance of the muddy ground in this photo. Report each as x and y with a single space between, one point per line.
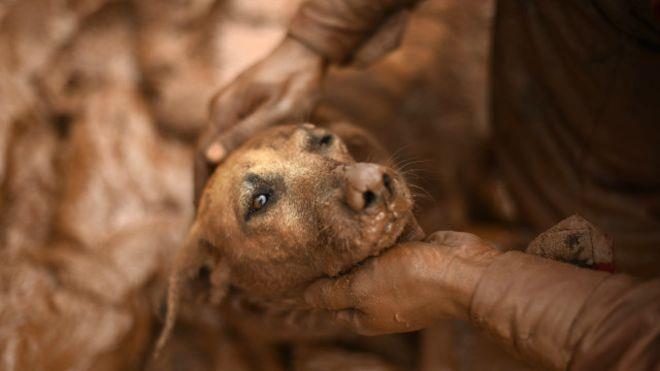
100 103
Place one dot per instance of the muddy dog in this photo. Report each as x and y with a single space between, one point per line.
288 207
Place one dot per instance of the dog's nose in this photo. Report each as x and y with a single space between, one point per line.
366 185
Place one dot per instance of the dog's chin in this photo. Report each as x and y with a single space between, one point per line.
403 229
376 231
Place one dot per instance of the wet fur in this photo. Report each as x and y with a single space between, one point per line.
307 231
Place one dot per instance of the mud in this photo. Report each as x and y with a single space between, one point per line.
99 104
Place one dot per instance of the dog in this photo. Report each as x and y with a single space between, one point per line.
290 206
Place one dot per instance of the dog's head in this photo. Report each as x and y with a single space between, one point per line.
290 206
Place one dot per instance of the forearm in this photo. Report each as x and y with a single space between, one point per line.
528 304
619 327
337 28
560 316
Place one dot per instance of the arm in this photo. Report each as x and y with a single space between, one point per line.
336 29
561 316
550 313
285 84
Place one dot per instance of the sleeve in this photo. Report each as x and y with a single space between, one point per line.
561 316
619 327
338 28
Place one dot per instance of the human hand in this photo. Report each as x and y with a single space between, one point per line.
282 86
408 287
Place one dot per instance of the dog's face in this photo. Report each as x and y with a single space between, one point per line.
288 207
292 205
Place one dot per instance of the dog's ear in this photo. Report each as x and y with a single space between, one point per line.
362 145
197 272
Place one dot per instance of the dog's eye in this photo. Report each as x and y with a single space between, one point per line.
326 140
259 201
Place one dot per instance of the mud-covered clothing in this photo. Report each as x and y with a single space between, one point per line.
563 317
576 118
576 122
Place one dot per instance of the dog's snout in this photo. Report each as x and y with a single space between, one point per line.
366 185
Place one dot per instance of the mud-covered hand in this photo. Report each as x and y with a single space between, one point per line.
282 86
408 287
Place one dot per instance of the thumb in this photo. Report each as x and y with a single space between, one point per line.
202 172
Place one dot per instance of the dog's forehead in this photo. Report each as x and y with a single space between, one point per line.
279 148
281 151
281 137
268 160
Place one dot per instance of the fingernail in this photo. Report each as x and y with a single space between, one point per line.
215 152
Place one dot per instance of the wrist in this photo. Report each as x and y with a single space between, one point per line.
464 270
476 269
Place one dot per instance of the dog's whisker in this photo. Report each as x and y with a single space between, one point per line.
421 192
411 162
414 173
393 157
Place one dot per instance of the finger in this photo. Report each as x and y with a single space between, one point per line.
352 320
238 101
202 167
360 323
202 171
238 134
245 111
331 294
215 152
